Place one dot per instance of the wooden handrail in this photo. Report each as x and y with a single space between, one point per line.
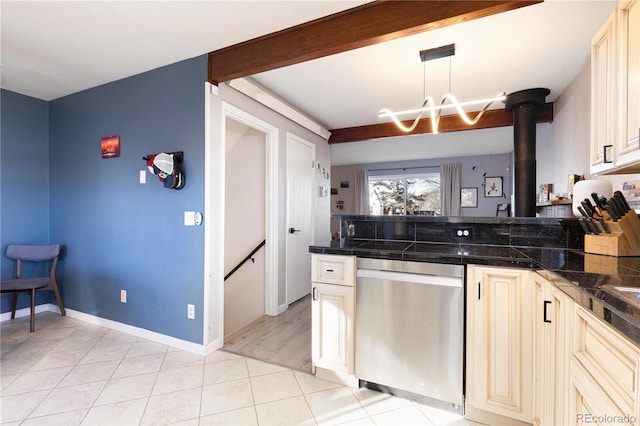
249 256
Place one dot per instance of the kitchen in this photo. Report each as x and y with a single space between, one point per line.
546 180
492 396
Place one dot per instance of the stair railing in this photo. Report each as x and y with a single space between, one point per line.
243 261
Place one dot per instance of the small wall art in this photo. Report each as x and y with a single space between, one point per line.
110 146
493 186
468 197
344 184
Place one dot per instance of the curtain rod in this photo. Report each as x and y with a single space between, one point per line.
403 168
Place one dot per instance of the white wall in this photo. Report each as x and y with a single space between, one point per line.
563 146
244 225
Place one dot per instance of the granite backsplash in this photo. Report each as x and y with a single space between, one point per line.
516 232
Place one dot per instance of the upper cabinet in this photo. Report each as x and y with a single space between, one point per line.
615 92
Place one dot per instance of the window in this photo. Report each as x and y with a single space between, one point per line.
400 194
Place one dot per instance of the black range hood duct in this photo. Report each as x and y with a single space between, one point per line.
524 105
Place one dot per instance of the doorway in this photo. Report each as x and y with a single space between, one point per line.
244 228
220 115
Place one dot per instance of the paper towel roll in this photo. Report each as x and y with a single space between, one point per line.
583 189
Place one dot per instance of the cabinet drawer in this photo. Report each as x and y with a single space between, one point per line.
333 269
613 362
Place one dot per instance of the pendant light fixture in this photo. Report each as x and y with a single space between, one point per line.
448 101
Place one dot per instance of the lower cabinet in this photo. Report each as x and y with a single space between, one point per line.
604 371
332 313
333 317
553 312
499 378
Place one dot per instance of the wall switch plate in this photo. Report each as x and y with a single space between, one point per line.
191 311
123 296
189 218
143 176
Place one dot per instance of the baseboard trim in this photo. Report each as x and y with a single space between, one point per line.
283 308
25 312
337 377
118 326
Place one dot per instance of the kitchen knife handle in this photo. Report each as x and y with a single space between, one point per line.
611 212
584 226
622 198
582 212
595 197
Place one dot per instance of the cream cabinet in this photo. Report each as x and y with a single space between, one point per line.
604 374
499 382
615 92
553 311
603 99
628 78
332 317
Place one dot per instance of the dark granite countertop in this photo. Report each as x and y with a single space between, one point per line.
603 284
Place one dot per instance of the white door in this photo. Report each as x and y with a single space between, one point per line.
300 159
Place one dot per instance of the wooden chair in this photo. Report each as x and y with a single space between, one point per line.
32 253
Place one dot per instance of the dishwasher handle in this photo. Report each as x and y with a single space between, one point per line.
411 278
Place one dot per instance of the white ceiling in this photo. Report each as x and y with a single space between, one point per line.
51 49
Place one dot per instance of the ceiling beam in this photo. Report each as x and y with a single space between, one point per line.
354 28
448 123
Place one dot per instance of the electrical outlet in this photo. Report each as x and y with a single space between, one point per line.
463 233
191 311
123 296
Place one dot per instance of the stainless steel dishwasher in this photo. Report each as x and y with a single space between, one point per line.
410 330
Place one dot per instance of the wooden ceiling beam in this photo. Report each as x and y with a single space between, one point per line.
361 26
448 123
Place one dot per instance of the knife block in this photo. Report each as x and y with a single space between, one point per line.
624 239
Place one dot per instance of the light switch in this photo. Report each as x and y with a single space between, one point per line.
189 218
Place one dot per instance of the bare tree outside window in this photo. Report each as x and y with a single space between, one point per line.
405 195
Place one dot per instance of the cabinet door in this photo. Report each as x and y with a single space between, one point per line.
332 313
552 311
501 341
628 41
603 87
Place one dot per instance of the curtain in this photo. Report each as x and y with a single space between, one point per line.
450 189
361 187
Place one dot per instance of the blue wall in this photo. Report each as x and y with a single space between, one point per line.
120 234
24 181
117 233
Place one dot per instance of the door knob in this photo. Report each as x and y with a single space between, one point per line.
293 230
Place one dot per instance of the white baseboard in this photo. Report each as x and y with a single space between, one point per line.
118 326
25 312
283 308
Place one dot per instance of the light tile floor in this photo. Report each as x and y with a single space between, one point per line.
69 372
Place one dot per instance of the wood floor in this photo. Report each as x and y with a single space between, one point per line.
284 340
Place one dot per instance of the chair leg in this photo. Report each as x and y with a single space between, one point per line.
14 305
59 300
32 327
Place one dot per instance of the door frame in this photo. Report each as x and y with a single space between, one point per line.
216 112
298 139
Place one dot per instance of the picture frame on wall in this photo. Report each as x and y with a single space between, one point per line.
468 197
493 186
110 147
